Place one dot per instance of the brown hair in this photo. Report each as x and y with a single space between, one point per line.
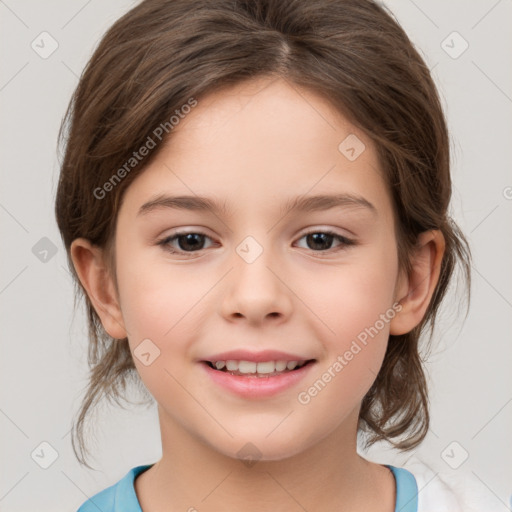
351 52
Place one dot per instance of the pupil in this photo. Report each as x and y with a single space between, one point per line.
317 239
190 241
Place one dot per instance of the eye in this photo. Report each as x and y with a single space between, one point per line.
187 242
191 241
321 241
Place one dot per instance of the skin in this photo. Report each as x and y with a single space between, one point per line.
253 147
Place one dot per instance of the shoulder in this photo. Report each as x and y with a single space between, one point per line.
434 494
103 501
450 492
118 497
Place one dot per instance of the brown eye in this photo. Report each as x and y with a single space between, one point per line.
186 242
321 241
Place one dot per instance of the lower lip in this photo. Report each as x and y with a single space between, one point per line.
257 387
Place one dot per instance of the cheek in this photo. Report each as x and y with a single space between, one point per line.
156 297
354 353
354 306
348 299
158 305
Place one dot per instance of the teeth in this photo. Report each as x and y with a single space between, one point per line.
232 365
264 367
280 366
246 367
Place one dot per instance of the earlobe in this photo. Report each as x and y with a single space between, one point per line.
95 277
416 289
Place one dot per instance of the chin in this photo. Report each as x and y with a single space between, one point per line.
252 449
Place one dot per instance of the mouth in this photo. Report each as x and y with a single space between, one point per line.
260 369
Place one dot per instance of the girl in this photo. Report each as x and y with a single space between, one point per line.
254 202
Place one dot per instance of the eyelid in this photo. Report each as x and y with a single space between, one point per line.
326 229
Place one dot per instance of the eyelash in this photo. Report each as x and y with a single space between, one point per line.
345 242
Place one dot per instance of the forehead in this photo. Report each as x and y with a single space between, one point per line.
265 114
259 141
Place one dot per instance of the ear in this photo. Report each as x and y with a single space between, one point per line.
415 290
95 277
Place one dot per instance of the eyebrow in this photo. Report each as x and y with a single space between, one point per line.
297 204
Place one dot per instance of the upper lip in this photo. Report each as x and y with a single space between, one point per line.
256 357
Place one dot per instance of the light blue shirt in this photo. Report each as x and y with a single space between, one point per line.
121 497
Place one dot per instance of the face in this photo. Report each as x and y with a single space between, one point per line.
248 278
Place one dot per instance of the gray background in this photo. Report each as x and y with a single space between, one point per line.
43 364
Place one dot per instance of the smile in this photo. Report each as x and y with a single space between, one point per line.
256 380
256 369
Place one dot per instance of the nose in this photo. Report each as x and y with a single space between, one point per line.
257 291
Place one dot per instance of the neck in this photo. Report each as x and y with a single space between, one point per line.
330 475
